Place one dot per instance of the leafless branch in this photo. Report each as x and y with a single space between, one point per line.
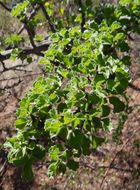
22 76
134 87
130 37
83 15
13 67
37 50
33 13
5 6
17 79
97 167
3 65
47 18
31 34
116 154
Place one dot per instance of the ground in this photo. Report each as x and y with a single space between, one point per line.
113 166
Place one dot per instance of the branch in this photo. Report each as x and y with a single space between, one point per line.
116 154
3 65
15 67
130 37
48 18
5 7
134 87
37 50
21 76
31 34
33 13
97 167
83 15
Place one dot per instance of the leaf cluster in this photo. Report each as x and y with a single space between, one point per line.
86 79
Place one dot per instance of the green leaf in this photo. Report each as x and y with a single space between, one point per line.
105 111
27 171
21 122
52 169
62 167
54 153
119 36
93 98
123 46
117 103
17 156
29 59
115 25
97 141
39 152
125 2
79 141
73 165
77 122
68 117
44 61
94 25
17 10
53 125
61 107
96 122
53 97
75 139
106 124
47 63
10 142
14 40
53 113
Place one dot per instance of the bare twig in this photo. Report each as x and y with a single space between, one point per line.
3 65
30 32
2 169
33 13
19 78
97 167
37 50
47 18
22 76
130 37
134 87
83 15
13 67
115 156
5 6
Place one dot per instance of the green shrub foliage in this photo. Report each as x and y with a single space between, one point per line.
87 73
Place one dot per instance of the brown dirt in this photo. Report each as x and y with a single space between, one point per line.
112 167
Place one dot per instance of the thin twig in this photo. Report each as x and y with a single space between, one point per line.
82 14
53 29
97 167
134 87
22 76
130 37
5 7
13 67
18 82
3 65
115 156
33 13
30 34
2 169
27 51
